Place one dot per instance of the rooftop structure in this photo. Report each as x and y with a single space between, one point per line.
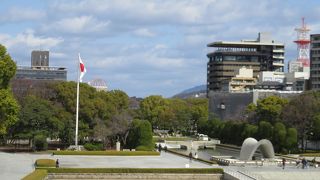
263 54
40 69
40 58
99 84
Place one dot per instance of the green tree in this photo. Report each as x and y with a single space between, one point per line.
140 135
249 130
231 132
40 142
145 135
37 117
7 68
9 110
279 136
268 109
179 115
316 127
199 110
151 108
265 130
292 139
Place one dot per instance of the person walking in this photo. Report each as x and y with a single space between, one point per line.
304 163
57 163
159 148
314 163
190 156
283 163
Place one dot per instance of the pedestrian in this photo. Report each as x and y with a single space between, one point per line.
57 163
304 163
298 161
283 163
314 163
159 148
190 156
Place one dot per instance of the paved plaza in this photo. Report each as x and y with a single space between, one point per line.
17 165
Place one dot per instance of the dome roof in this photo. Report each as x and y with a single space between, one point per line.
99 84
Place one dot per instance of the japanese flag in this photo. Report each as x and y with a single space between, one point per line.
82 69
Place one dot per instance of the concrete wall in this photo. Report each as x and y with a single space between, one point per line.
232 106
129 176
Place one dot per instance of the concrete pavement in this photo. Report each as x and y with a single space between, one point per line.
17 165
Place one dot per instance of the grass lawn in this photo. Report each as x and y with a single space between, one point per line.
108 153
37 174
45 163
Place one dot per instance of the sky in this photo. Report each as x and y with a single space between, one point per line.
145 47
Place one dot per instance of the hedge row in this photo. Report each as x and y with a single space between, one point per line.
108 153
310 154
160 139
138 170
38 174
45 163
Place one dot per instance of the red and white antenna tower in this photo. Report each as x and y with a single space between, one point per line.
303 43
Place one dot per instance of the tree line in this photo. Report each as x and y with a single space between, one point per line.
106 117
48 111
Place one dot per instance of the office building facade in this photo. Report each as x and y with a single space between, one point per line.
315 61
263 54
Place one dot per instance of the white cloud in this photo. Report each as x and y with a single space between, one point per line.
28 39
79 24
17 14
143 42
144 32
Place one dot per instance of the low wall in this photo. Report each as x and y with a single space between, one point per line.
128 176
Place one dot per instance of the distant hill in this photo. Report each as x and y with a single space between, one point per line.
197 91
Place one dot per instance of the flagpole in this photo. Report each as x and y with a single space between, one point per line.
77 110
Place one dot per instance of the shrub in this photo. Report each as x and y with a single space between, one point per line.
45 163
40 143
108 153
38 174
144 148
140 134
93 146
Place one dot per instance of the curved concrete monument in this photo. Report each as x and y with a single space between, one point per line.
250 145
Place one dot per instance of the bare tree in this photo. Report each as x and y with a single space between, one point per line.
120 126
300 112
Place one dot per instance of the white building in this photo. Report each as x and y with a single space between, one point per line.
271 76
295 66
242 82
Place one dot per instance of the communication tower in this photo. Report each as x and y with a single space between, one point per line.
303 44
